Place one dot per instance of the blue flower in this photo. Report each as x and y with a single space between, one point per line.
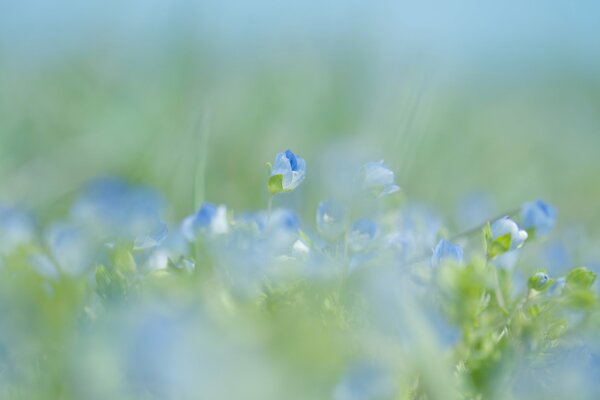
292 169
539 217
71 247
16 228
209 218
365 381
505 226
446 251
331 217
379 179
362 233
112 208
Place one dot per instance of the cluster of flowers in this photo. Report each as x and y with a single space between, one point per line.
116 235
110 212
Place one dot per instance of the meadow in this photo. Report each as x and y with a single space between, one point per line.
306 218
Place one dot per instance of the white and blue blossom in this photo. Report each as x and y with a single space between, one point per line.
506 226
331 219
208 219
292 169
378 179
538 217
447 251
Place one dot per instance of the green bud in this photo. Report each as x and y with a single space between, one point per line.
539 281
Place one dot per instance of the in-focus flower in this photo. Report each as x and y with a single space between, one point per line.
446 251
288 171
378 179
331 219
209 218
506 226
362 233
538 217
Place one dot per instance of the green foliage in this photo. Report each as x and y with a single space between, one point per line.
275 184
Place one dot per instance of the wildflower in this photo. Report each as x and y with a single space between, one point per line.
16 228
446 251
331 217
506 227
362 232
378 179
71 247
287 173
209 218
538 217
365 381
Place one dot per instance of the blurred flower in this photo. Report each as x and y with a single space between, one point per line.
446 251
209 218
331 217
365 382
111 208
378 179
71 247
539 217
153 239
16 228
506 226
362 233
288 171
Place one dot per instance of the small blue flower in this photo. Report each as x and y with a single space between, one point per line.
16 228
153 239
446 251
539 217
291 167
362 233
72 248
209 218
505 226
379 179
284 219
365 381
331 219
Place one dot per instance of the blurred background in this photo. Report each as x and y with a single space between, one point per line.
457 98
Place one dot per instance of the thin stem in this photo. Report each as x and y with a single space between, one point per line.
202 138
497 289
269 208
426 254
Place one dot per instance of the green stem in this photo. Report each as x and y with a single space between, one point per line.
269 208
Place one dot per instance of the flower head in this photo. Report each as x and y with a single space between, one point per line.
446 251
539 217
331 217
362 233
378 179
506 226
287 173
209 218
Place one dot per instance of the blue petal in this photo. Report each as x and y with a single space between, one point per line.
539 216
445 251
292 158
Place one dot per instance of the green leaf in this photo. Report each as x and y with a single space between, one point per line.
580 278
499 246
276 184
110 284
